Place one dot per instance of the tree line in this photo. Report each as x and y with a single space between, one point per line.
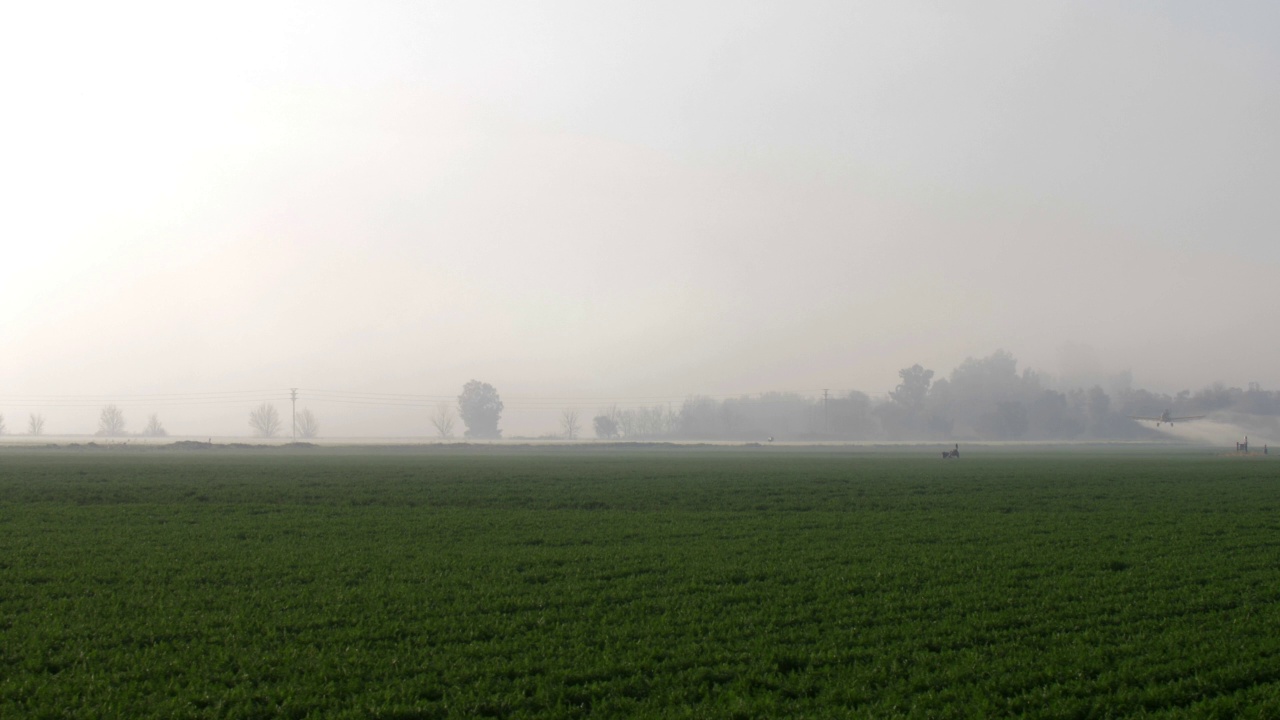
982 399
985 398
264 421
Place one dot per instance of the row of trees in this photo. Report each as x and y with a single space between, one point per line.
35 426
636 423
480 408
110 423
983 398
988 398
263 420
783 415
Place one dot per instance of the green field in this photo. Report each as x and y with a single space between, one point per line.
695 582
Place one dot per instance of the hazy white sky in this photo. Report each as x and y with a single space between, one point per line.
625 201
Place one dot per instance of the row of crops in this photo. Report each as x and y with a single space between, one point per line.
747 583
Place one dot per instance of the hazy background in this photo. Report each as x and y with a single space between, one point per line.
585 202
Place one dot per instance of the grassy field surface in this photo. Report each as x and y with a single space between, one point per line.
664 582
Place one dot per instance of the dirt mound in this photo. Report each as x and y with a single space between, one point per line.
189 445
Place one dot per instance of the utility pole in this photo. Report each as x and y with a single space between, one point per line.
826 416
293 399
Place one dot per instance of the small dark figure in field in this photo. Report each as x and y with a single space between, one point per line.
952 453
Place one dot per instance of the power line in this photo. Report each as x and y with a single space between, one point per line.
139 403
412 397
386 399
213 395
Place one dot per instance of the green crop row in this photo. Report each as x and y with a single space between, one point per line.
674 584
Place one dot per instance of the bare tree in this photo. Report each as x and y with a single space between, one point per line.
36 425
265 420
1 424
111 421
626 421
569 424
443 420
308 426
154 428
649 421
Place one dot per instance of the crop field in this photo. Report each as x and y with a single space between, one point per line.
544 582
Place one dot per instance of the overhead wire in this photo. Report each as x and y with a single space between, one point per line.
384 399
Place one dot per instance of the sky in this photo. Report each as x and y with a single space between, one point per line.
585 203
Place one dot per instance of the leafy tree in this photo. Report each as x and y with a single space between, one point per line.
987 396
154 428
851 415
35 426
1006 421
111 421
481 409
1049 416
1099 405
606 427
701 417
914 388
1215 397
265 420
1257 401
308 426
905 415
